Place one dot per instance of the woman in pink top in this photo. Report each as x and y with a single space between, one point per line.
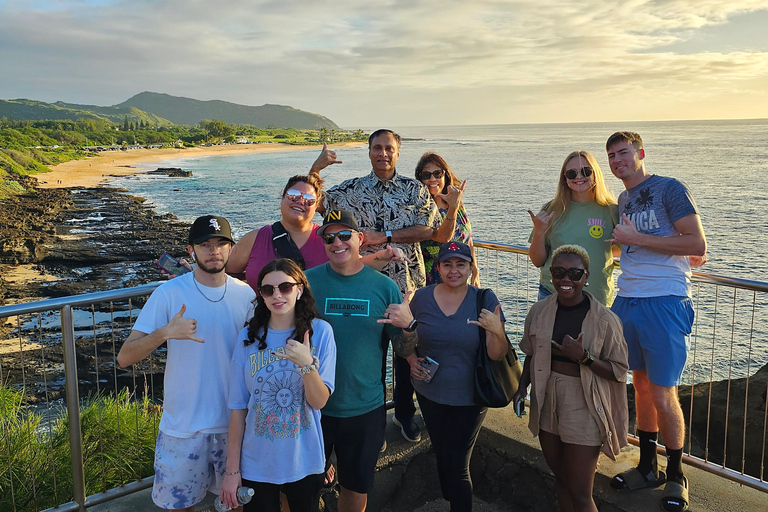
297 207
301 196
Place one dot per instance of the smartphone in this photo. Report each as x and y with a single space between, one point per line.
171 265
431 366
519 408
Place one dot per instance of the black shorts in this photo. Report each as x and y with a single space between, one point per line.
357 441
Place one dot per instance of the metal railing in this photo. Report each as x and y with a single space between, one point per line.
54 351
724 403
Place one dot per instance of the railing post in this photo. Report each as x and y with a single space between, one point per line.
73 406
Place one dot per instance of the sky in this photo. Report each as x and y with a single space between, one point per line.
400 62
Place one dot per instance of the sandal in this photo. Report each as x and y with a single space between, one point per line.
632 480
675 497
330 477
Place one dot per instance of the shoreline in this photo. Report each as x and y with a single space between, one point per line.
97 171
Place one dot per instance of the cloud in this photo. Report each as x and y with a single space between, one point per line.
343 59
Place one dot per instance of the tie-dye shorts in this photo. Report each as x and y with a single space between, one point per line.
186 468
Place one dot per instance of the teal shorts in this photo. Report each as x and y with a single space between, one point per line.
656 330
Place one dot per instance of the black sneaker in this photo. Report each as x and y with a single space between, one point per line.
410 430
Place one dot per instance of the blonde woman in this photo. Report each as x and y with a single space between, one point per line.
583 212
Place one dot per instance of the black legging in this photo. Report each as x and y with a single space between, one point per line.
303 495
453 430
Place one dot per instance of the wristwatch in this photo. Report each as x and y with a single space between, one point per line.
587 359
412 326
389 236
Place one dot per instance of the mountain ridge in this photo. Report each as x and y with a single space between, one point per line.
159 109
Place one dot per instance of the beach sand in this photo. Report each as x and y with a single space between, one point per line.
98 170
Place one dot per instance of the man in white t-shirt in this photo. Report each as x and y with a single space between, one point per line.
199 315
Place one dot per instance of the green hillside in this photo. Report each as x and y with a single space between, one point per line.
190 112
24 109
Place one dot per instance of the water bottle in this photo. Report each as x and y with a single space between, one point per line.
244 495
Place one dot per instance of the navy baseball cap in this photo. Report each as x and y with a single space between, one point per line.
454 250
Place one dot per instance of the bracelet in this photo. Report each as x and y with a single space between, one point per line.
450 218
232 473
314 366
584 358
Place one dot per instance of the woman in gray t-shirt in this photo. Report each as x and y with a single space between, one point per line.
442 368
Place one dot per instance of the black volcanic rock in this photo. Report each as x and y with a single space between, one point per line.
173 172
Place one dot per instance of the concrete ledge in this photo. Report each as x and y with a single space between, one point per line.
509 474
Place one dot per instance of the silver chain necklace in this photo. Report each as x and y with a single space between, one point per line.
226 283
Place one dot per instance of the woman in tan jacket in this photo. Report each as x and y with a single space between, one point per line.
577 363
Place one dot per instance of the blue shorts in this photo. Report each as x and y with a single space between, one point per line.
656 330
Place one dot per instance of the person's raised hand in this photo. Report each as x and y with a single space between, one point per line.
297 352
541 220
399 315
625 233
180 328
490 321
572 348
327 157
453 195
390 253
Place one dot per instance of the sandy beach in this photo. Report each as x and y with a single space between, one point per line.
99 169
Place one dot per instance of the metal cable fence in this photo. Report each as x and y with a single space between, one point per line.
724 390
77 430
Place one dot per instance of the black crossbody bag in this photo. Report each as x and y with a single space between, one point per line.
284 245
496 382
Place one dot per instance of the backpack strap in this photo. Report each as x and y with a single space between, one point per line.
284 245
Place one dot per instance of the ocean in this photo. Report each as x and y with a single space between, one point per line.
513 168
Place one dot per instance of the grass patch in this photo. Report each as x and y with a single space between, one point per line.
35 469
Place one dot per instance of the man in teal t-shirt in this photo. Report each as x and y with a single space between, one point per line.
359 303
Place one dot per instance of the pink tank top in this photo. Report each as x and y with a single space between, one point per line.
263 252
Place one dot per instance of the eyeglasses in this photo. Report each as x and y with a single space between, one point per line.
267 290
295 196
425 175
344 236
571 174
574 274
213 246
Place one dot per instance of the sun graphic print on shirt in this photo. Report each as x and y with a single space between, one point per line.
280 409
596 227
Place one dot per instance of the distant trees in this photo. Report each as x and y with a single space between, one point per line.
217 128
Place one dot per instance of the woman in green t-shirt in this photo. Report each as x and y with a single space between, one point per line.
583 212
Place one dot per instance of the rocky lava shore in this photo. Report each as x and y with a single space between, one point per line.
89 239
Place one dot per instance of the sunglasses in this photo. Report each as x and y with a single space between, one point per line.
344 236
425 175
267 290
574 274
295 196
571 174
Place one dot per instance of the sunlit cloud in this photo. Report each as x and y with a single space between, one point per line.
393 61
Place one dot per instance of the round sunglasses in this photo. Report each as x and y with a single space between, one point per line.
295 196
267 290
571 174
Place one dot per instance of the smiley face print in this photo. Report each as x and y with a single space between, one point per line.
596 228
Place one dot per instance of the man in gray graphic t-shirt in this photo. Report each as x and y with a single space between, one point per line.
661 237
